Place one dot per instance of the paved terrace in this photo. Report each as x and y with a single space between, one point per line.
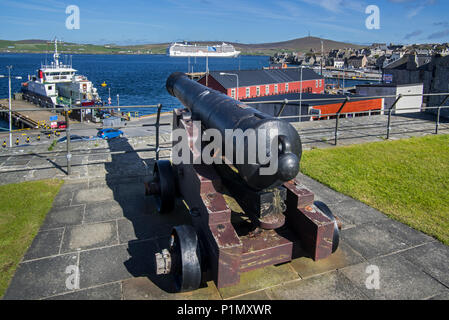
102 222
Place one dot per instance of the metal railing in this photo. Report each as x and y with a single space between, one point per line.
68 130
157 124
347 99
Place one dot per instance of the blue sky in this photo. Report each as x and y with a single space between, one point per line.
247 21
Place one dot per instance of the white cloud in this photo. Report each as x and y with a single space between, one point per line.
338 6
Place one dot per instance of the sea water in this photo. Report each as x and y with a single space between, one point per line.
137 79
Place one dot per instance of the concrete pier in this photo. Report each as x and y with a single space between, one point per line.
26 119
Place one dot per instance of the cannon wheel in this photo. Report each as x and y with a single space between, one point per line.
325 209
186 258
163 175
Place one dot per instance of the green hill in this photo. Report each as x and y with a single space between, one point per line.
42 46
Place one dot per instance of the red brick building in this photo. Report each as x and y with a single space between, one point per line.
260 83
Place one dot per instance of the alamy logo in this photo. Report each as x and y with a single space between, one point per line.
372 282
73 20
240 147
73 280
373 20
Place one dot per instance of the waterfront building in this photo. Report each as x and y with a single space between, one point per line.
339 63
357 62
394 90
266 82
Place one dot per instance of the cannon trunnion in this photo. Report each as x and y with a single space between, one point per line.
241 220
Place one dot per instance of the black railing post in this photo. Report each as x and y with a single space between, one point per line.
282 109
158 120
338 118
389 115
438 114
67 132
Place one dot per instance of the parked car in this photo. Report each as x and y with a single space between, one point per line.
62 124
104 114
73 138
109 133
76 138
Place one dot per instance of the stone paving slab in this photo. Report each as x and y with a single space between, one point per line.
432 258
372 241
141 228
103 211
41 278
440 297
112 291
257 295
72 187
409 235
260 279
115 263
398 279
45 244
92 195
63 198
142 288
343 257
87 236
329 286
356 213
64 216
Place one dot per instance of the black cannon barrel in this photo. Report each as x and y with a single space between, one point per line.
219 111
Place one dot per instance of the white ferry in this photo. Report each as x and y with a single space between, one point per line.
185 49
58 84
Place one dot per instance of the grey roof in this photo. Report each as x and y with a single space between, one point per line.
356 58
423 60
403 63
261 77
400 63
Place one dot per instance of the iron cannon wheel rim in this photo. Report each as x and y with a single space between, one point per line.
328 212
163 174
186 258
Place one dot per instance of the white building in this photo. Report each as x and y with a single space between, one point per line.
405 104
339 64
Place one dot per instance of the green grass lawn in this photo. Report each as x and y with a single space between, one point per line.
407 179
23 207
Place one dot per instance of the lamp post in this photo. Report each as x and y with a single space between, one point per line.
9 101
300 96
237 76
109 100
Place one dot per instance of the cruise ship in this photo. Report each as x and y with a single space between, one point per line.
185 49
58 84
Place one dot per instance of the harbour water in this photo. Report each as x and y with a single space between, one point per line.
3 125
138 79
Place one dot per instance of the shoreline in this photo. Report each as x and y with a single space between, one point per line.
122 54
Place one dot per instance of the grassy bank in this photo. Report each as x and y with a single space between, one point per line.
23 207
406 179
